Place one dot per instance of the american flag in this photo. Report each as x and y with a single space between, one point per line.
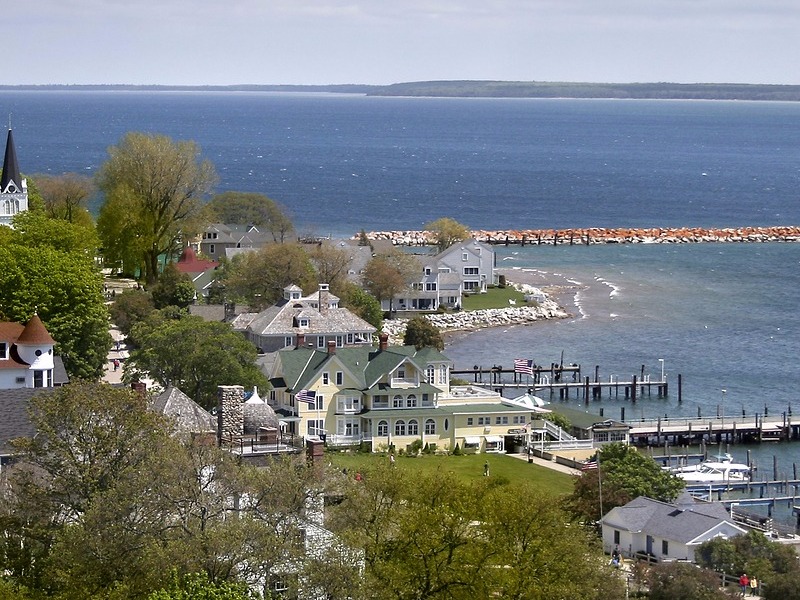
306 396
523 365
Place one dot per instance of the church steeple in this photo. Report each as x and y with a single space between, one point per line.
10 168
13 188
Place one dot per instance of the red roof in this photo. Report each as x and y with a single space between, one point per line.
35 333
189 263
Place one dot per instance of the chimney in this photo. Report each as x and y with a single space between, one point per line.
323 297
331 347
384 342
230 420
139 387
301 340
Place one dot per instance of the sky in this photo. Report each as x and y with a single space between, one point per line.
228 42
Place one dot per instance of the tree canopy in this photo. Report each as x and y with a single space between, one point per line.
624 473
248 208
153 187
65 196
193 355
446 232
387 275
421 333
46 268
258 278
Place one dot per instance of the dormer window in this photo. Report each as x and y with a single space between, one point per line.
302 322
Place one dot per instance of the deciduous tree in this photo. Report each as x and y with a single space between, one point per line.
248 208
387 275
194 355
258 278
65 196
361 303
446 232
421 333
152 186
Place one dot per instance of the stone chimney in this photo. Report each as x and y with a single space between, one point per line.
331 347
301 340
384 342
323 297
230 417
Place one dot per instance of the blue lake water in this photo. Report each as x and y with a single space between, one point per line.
723 316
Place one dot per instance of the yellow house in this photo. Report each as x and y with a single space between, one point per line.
388 397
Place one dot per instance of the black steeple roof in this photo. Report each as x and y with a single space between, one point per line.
10 166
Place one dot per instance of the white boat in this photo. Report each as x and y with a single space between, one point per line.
718 470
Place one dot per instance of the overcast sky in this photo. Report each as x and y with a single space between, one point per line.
388 41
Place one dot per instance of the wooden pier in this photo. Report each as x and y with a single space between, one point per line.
566 381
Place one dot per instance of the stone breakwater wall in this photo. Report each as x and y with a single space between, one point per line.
597 235
480 319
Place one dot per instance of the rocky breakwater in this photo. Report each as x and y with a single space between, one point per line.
597 235
481 319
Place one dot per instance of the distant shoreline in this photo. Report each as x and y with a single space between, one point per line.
602 235
481 89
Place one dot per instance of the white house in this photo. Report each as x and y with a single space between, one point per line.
26 355
666 531
466 267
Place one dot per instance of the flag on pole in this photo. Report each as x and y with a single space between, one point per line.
523 365
590 465
306 396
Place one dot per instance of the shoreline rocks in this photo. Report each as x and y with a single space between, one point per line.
598 235
474 320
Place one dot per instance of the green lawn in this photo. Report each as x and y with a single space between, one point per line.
467 468
495 297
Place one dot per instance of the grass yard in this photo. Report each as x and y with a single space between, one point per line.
495 297
468 467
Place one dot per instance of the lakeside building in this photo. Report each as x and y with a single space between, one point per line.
464 268
218 238
296 320
13 188
388 397
664 531
26 356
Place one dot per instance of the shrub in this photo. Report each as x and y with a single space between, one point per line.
457 450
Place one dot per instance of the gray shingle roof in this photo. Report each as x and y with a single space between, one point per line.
189 416
14 421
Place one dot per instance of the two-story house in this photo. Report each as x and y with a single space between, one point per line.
218 238
387 397
466 267
312 320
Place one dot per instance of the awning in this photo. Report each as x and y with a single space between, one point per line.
493 439
472 440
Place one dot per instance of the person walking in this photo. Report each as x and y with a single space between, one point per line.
753 586
744 583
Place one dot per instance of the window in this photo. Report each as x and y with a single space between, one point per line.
348 427
397 402
380 401
339 341
401 373
400 427
665 547
430 427
519 420
411 401
470 270
319 403
501 420
425 398
315 426
347 404
326 378
443 374
302 322
430 287
470 286
321 341
349 338
211 249
430 372
3 350
464 256
470 421
383 428
446 424
339 377
616 536
287 341
427 270
413 427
